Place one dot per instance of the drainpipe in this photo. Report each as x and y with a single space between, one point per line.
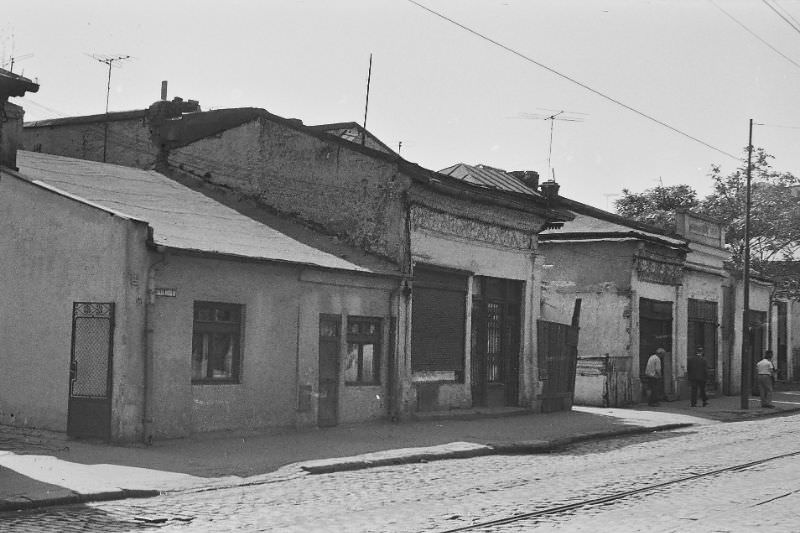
149 317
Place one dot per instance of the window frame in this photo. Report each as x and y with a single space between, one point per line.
234 327
361 339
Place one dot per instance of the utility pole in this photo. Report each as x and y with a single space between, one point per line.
747 364
107 60
366 104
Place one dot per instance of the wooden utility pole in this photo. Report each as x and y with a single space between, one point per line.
108 61
747 364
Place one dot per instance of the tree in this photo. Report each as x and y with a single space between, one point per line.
774 212
657 206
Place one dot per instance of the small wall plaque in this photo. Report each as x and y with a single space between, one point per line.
169 293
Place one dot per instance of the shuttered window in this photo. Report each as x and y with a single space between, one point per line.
438 320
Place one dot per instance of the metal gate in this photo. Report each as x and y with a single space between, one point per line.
494 368
89 413
558 358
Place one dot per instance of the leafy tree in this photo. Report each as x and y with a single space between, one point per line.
774 211
657 206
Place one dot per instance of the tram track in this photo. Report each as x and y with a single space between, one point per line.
617 496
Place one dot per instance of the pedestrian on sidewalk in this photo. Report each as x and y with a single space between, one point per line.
697 373
766 377
652 377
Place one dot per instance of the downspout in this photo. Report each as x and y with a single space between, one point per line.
149 315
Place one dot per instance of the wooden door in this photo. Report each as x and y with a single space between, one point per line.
330 339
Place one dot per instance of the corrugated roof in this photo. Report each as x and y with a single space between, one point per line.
180 217
490 177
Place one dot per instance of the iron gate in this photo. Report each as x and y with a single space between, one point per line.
89 412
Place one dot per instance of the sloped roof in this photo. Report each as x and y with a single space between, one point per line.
489 177
181 218
353 132
15 85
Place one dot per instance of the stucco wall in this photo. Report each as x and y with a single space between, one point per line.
56 251
343 190
279 348
128 143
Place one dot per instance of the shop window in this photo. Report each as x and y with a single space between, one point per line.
362 365
216 342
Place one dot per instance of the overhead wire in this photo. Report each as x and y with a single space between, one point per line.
754 34
573 80
789 22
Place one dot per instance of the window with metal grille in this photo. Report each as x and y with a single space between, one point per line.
362 366
216 342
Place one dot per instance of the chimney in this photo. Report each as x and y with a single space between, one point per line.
528 177
11 115
164 90
550 189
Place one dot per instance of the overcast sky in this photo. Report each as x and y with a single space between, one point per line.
447 94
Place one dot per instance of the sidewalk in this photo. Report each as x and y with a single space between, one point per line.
40 468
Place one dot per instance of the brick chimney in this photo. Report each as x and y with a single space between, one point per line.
528 177
11 115
550 189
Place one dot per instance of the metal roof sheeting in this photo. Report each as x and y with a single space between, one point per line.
490 177
180 217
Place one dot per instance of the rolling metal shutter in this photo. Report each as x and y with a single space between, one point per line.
438 320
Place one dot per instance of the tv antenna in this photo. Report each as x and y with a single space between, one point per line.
553 115
13 58
107 60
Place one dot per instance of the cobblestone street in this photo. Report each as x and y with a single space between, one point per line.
446 495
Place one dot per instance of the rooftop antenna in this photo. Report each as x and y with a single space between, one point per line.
13 58
553 115
366 103
107 60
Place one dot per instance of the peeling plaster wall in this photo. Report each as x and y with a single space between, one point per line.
340 189
57 251
129 142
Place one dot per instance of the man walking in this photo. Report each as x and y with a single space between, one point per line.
652 376
697 373
766 375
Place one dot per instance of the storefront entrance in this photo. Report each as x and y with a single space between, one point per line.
495 343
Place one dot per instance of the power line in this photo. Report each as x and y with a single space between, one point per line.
754 34
786 12
573 80
789 22
777 126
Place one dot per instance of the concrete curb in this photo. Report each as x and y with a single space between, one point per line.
21 504
529 447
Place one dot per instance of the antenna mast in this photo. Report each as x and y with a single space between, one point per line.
552 115
366 103
107 60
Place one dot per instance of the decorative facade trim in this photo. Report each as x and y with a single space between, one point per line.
657 269
450 225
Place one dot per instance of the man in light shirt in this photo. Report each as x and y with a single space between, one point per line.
766 375
652 376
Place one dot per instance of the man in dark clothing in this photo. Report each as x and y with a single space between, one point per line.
697 372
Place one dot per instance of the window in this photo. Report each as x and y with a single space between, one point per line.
362 366
216 342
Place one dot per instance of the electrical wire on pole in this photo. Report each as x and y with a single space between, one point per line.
107 60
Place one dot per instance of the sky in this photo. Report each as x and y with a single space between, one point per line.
633 71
